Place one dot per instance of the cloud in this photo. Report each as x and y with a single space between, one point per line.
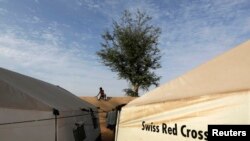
70 68
192 32
88 3
200 32
59 46
150 7
3 11
31 54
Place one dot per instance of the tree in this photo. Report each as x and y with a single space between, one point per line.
131 51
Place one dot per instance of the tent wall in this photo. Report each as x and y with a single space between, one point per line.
11 97
26 125
30 125
66 126
31 131
192 114
24 92
17 115
226 73
216 92
34 110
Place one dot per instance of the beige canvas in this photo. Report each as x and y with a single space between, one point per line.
226 73
217 92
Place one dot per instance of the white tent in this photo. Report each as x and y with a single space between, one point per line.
217 92
33 110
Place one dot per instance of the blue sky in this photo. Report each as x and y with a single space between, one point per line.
56 40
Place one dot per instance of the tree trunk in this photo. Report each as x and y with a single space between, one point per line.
136 89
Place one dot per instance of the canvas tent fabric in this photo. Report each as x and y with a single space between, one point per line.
217 92
32 109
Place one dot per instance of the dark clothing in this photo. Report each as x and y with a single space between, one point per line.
102 92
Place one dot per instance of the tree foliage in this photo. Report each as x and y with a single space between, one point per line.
130 49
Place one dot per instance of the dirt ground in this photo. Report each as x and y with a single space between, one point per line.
104 107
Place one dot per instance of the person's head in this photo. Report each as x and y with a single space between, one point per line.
100 88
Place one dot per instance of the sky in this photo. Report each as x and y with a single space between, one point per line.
57 40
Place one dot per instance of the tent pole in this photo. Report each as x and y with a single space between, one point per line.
117 124
56 113
55 127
